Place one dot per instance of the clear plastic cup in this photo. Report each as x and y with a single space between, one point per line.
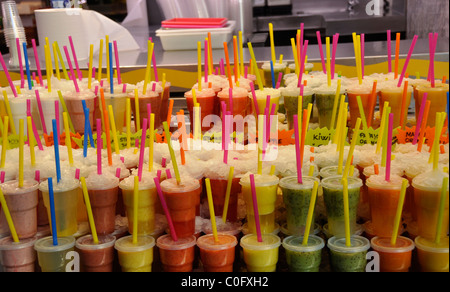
74 106
17 257
348 259
53 258
393 258
394 95
217 256
135 257
177 256
290 95
303 258
96 257
277 69
261 98
432 256
261 256
330 171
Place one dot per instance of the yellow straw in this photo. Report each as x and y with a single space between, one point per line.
61 60
361 113
151 142
358 45
444 191
64 106
8 217
281 58
150 47
199 65
294 51
21 145
351 171
91 60
100 61
89 210
346 213
272 43
114 130
55 55
8 111
137 118
339 121
272 170
255 65
310 106
328 61
357 56
172 153
31 141
382 127
398 215
211 209
335 105
227 196
68 139
197 118
260 142
352 148
311 170
128 122
341 151
135 208
312 205
5 141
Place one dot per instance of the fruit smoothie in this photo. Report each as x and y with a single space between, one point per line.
432 257
150 97
437 96
261 98
74 105
277 69
219 190
118 102
96 258
368 101
394 95
165 100
206 98
266 194
393 258
290 95
261 256
177 256
427 196
303 258
135 257
52 258
18 257
182 202
240 100
334 203
48 108
383 200
146 203
348 259
217 256
216 83
66 194
103 193
325 97
297 198
22 204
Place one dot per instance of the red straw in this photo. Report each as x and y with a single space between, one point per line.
302 36
420 118
389 148
19 52
142 149
99 146
319 41
116 54
389 51
226 133
5 69
297 150
255 208
38 64
408 58
41 112
75 59
75 83
255 100
166 209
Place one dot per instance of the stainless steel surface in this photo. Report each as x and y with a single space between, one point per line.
242 12
290 22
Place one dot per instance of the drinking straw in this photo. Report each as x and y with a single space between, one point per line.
222 67
151 141
397 54
65 110
168 174
210 56
75 59
398 215
106 123
341 147
100 61
142 148
302 34
272 43
335 105
68 139
389 50
172 153
382 127
227 58
8 216
255 100
226 138
128 122
27 65
108 65
236 60
302 63
319 40
88 122
261 132
38 64
8 76
19 51
272 72
306 118
352 148
4 141
75 83
346 213
21 145
362 44
116 54
211 209
52 212
166 209
362 113
294 52
333 55
91 58
408 58
137 118
41 112
255 66
440 218
31 141
255 208
99 146
114 130
328 61
61 60
404 105
33 127
77 173
2 177
297 150
89 210
312 205
440 119
389 148
339 121
135 209
57 118
169 112
241 51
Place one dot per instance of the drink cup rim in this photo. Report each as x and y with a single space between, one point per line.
105 241
353 183
294 243
145 242
167 243
270 241
46 244
359 244
207 242
291 183
419 241
403 245
7 243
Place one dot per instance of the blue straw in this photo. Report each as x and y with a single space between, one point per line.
56 146
25 53
273 74
86 115
111 69
86 135
52 211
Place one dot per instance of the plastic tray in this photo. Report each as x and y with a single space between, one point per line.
186 39
195 23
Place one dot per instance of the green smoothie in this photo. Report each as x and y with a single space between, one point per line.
325 103
303 258
290 95
297 198
277 68
333 194
345 258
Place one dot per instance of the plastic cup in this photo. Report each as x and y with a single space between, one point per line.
146 204
151 97
267 70
53 258
48 109
348 259
394 95
261 98
177 256
135 257
18 108
432 257
182 202
96 257
333 194
427 196
261 256
331 171
266 194
383 200
368 102
217 256
165 101
74 106
297 198
22 204
17 257
437 96
303 258
325 104
206 98
118 102
65 194
393 258
219 191
290 95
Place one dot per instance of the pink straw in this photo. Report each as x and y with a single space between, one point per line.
99 146
77 173
41 112
389 148
166 210
245 72
255 208
333 56
389 50
206 62
230 97
408 58
118 172
363 42
116 54
75 60
224 113
319 40
124 88
75 83
38 65
57 116
297 150
280 76
158 174
37 175
255 100
141 156
302 65
163 162
432 57
168 173
2 177
155 68
302 35
222 67
226 133
420 118
19 52
5 69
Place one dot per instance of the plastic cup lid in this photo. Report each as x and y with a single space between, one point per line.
12 187
269 241
8 243
208 242
358 244
261 180
430 246
186 185
383 244
333 171
292 183
335 182
46 244
125 244
379 182
295 243
166 242
87 242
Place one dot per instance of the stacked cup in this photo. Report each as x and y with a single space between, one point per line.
13 29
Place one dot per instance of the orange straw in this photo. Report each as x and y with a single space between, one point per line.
169 113
227 58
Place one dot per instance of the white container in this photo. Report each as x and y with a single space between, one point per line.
187 39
